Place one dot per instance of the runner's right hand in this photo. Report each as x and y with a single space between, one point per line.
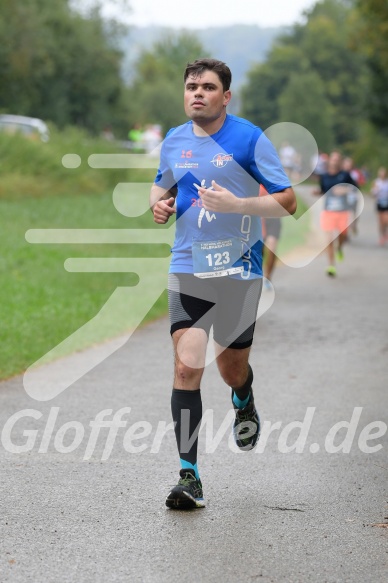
163 210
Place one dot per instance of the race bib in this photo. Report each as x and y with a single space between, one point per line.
217 258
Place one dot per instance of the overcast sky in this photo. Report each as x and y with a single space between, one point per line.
205 13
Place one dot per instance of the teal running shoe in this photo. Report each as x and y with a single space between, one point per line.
246 427
187 494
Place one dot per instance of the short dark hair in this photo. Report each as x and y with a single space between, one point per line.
198 67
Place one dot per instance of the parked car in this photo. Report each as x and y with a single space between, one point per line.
31 127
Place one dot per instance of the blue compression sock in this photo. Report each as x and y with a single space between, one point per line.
188 466
238 402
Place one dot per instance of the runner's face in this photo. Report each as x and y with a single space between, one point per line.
335 162
204 98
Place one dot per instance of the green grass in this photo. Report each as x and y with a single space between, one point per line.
294 232
42 304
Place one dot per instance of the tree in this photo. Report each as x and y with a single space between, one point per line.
326 39
259 96
370 37
303 101
321 45
58 65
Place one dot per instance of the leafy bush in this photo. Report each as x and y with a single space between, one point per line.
32 168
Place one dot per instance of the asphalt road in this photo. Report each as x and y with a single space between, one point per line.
79 506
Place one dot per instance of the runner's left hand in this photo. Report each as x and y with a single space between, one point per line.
218 199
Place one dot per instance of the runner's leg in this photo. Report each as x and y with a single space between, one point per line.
186 403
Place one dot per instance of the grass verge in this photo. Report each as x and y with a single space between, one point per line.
294 229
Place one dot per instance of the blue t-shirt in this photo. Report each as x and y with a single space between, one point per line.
239 157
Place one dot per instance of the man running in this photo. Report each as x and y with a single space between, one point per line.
210 168
335 216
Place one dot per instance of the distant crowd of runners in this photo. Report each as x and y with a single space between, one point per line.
340 183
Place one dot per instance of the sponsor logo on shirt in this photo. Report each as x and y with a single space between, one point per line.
186 156
221 160
186 164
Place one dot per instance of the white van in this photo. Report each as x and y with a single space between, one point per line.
31 127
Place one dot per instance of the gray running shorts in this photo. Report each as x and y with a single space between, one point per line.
226 303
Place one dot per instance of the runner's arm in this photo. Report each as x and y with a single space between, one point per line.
162 202
279 204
